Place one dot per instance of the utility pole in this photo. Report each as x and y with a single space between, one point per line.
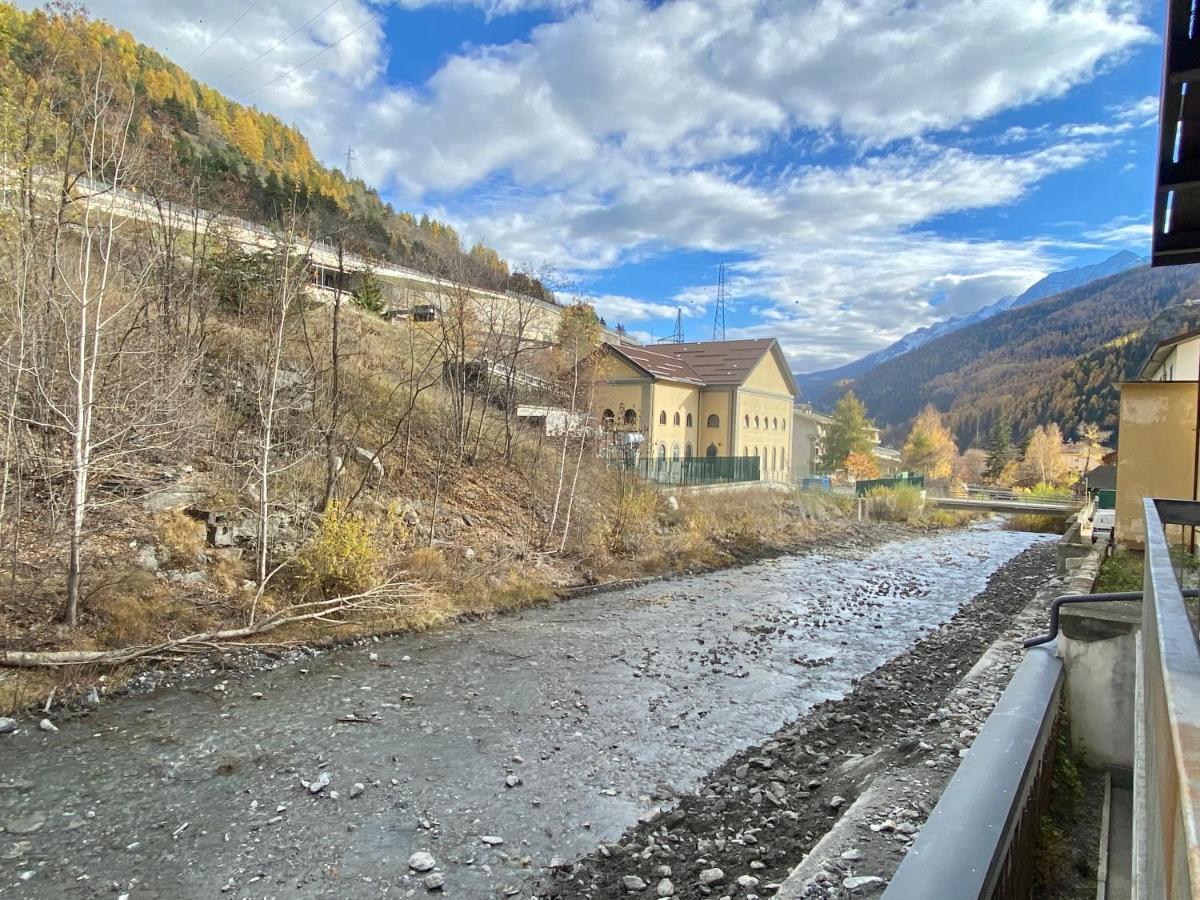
349 161
719 314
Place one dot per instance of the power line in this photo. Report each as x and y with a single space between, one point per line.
300 65
228 28
242 68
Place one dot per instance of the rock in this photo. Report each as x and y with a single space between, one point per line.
356 790
257 695
319 783
469 554
710 877
435 881
7 725
47 725
665 888
147 559
492 840
368 458
91 698
421 861
633 883
25 824
512 781
747 881
673 504
852 855
855 882
837 801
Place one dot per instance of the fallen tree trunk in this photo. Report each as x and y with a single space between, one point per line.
380 599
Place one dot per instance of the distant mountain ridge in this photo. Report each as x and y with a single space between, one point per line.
814 386
1053 360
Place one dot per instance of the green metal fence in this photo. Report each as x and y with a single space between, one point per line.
698 470
865 484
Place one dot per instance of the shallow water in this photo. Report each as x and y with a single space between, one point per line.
176 794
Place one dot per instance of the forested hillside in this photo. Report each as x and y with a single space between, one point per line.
1051 361
232 158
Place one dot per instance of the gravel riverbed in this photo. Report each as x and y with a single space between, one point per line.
508 748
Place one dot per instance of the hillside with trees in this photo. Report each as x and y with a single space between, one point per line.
1054 361
223 156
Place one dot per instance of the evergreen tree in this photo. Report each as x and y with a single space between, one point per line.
999 447
849 432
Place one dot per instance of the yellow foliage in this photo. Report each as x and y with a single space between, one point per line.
340 558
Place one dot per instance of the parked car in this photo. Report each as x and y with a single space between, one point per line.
1102 525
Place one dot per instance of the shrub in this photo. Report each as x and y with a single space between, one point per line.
340 558
900 503
183 537
630 522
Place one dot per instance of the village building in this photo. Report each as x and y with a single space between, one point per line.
704 398
1157 445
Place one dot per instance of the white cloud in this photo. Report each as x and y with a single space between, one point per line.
1123 230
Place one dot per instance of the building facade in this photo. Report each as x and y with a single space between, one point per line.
704 398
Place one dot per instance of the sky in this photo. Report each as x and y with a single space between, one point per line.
862 168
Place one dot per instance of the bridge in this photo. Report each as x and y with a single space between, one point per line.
1006 502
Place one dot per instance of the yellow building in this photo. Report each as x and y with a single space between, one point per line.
705 398
1157 444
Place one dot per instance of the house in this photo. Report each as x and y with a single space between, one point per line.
1156 446
703 398
808 436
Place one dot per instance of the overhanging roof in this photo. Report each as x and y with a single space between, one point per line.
1176 239
1163 349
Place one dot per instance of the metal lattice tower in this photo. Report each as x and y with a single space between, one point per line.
719 314
676 336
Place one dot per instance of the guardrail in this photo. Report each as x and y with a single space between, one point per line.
979 841
1166 814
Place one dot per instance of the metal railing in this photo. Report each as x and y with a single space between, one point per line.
980 839
698 470
866 484
1166 788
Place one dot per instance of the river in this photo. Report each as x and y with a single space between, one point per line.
601 707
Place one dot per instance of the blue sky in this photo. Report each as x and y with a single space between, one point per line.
863 168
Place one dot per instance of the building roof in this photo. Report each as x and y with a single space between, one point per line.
1103 478
708 362
807 412
658 364
1163 349
1176 235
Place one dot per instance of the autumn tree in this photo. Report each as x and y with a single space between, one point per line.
849 432
1044 462
930 447
971 466
860 464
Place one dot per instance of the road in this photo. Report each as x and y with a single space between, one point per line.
600 707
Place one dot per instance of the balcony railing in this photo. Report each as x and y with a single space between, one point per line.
1166 786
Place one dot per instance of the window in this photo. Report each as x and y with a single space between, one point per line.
662 417
712 448
774 459
785 424
747 420
774 424
676 418
783 460
675 452
689 420
714 422
608 418
756 425
662 451
631 417
687 450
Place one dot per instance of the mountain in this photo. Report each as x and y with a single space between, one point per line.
814 385
1040 362
198 147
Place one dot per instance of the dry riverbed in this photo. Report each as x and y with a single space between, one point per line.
509 748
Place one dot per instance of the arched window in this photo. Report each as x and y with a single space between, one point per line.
662 417
774 459
687 450
608 418
747 420
775 424
745 451
675 452
711 451
631 417
676 418
689 420
756 425
785 424
713 421
662 451
783 460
